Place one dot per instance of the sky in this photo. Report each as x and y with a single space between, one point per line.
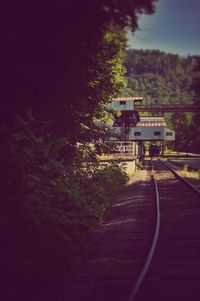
173 28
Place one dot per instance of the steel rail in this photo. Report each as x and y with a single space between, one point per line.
181 178
153 244
156 234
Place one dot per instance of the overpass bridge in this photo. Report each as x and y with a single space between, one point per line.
167 108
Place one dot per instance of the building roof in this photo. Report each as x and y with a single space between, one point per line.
127 99
151 121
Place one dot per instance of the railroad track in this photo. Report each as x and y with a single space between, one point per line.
127 262
172 267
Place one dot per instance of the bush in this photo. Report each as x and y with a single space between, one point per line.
47 206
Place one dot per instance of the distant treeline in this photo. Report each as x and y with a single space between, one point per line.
165 78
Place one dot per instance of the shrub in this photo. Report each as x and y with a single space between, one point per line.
47 206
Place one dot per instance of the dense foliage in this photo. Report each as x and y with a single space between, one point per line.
195 127
163 78
60 61
160 77
47 207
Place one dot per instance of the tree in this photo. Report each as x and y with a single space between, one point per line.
181 123
60 62
163 78
195 127
57 57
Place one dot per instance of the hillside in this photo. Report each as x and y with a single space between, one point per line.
164 78
159 77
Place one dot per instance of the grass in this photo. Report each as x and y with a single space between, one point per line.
192 176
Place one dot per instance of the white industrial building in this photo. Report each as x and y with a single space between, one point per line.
147 129
125 103
133 130
151 129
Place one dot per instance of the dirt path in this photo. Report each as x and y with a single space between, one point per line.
117 249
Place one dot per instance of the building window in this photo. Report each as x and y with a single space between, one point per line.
169 134
122 102
157 133
137 134
137 103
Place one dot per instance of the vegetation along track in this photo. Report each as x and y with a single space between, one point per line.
174 273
